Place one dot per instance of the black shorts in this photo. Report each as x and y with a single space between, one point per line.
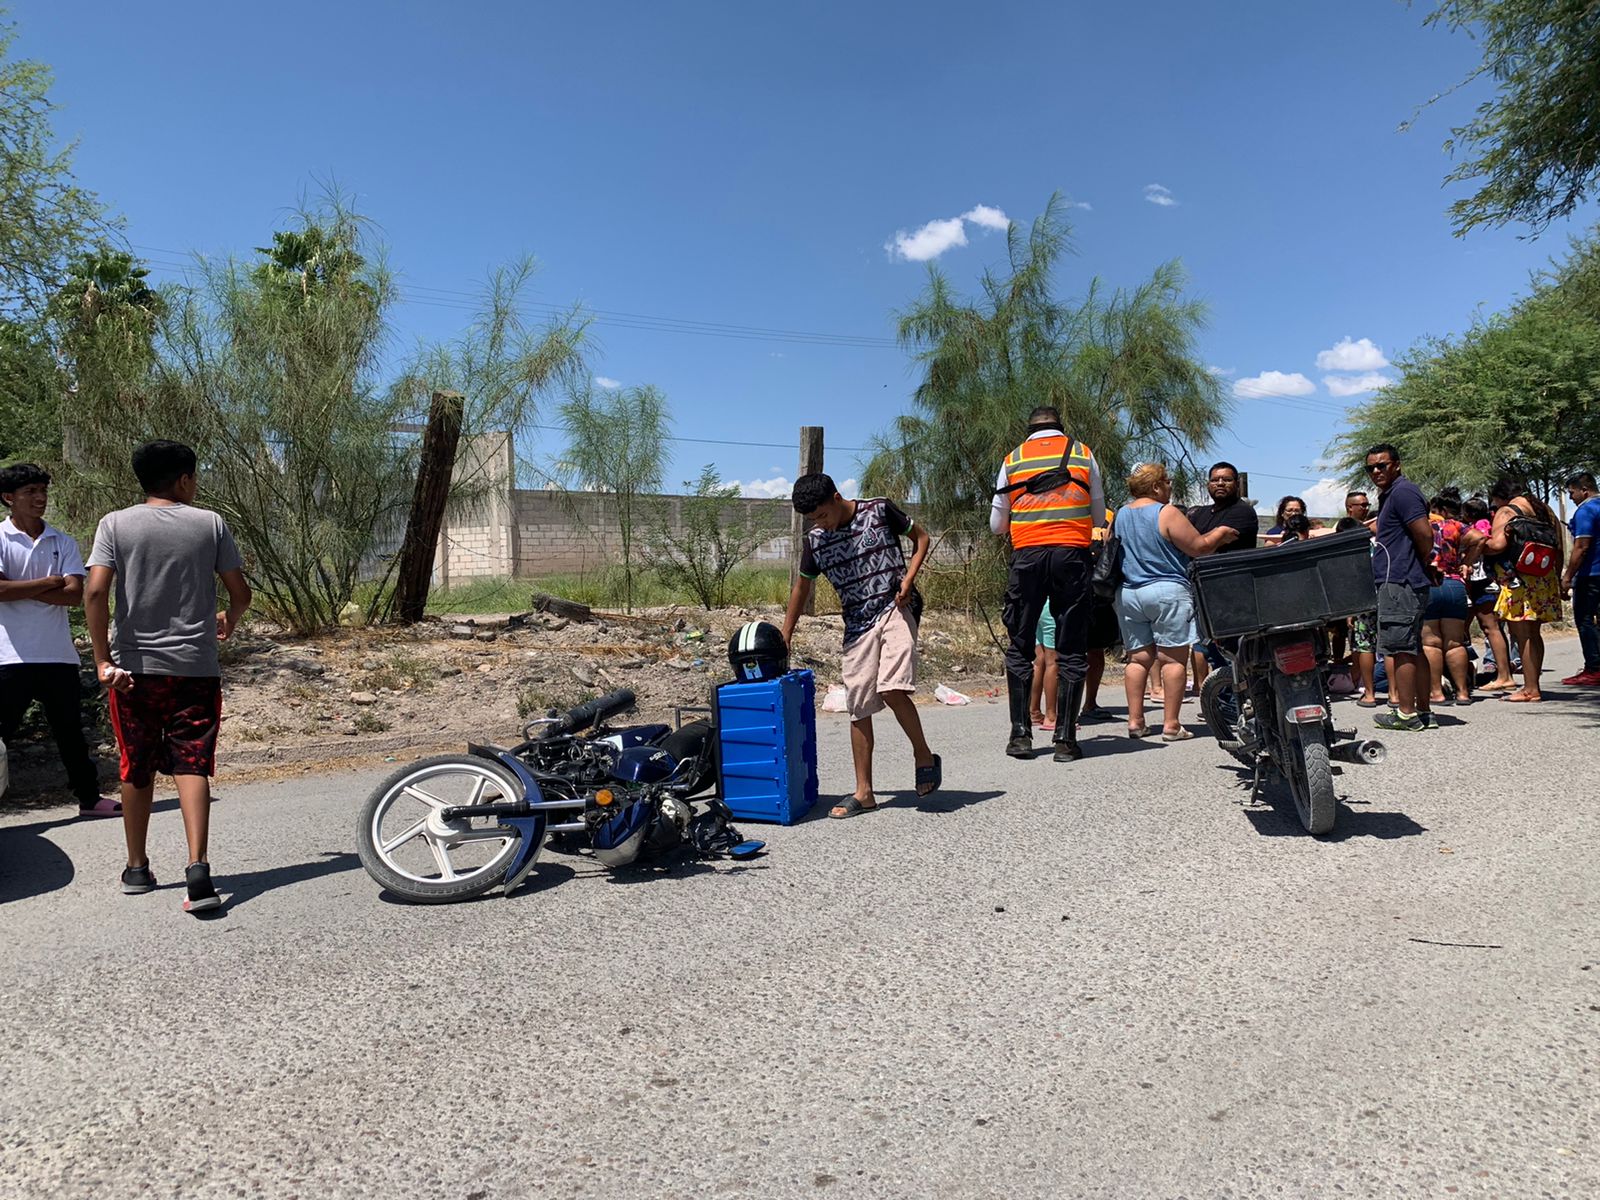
1400 609
167 724
1103 630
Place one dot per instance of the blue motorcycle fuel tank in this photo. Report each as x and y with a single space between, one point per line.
643 764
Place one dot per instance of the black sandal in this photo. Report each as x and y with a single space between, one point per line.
933 776
851 808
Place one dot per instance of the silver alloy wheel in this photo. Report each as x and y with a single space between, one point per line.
416 842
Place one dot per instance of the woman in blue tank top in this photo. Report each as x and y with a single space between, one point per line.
1154 607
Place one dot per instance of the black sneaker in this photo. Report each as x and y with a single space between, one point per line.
1095 715
1429 721
201 894
138 880
1392 720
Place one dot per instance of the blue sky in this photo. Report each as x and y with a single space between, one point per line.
751 165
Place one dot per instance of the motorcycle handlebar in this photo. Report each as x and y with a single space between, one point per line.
592 713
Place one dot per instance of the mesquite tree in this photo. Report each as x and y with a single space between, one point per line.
616 445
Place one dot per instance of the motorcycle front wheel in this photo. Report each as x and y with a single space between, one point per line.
1311 780
408 847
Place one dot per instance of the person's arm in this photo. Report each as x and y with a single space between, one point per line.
31 589
1580 551
239 598
68 595
799 596
1097 493
921 543
1421 531
1498 542
97 611
1175 526
1000 507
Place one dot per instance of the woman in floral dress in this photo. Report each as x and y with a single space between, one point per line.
1526 603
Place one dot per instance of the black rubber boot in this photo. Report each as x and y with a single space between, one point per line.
1069 699
1021 743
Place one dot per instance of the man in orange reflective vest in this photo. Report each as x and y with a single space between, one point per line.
1051 517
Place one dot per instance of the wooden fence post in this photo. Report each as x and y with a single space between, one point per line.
434 469
810 464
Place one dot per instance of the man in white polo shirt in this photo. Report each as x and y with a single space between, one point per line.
41 576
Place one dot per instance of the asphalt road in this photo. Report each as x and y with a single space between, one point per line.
1111 979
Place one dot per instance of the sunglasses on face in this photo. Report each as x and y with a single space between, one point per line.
1374 468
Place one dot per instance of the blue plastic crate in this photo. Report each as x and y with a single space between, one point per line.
767 741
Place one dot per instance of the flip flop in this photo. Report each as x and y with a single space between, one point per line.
1046 726
1183 735
933 776
1143 731
106 806
1367 704
1518 698
851 808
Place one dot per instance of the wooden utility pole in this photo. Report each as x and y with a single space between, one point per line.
439 441
810 464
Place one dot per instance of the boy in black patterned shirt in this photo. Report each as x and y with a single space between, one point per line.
856 544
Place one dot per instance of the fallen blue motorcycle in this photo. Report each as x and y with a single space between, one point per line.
456 826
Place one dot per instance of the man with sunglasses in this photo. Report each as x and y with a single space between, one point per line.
1227 507
1402 568
1357 507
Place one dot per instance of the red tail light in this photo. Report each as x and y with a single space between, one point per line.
1295 658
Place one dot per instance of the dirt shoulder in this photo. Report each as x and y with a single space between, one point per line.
360 697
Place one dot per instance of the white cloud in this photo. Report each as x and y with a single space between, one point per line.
781 486
988 217
1083 204
1222 372
1157 194
1355 385
934 238
765 489
607 383
1273 383
1347 355
1324 498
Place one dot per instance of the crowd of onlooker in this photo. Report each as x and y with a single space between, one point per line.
1461 606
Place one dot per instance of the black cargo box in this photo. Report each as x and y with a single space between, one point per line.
1304 583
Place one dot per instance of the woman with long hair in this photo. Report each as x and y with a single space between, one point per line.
1527 602
1289 506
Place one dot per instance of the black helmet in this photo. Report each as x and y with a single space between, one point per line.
758 653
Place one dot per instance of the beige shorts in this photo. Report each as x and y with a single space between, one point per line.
883 659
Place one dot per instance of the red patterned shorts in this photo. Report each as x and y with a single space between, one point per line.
167 723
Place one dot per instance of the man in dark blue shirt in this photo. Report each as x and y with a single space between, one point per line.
1402 568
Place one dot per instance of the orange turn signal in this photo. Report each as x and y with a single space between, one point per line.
604 797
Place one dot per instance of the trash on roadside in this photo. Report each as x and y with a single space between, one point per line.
950 696
835 700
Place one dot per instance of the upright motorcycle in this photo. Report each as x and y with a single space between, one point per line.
1268 611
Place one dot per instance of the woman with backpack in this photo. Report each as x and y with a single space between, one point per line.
1526 533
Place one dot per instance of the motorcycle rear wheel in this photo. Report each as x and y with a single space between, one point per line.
1220 705
410 850
1311 781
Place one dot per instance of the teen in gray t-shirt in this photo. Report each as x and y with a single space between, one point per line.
167 559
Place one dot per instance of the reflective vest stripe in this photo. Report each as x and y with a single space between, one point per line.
1061 517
